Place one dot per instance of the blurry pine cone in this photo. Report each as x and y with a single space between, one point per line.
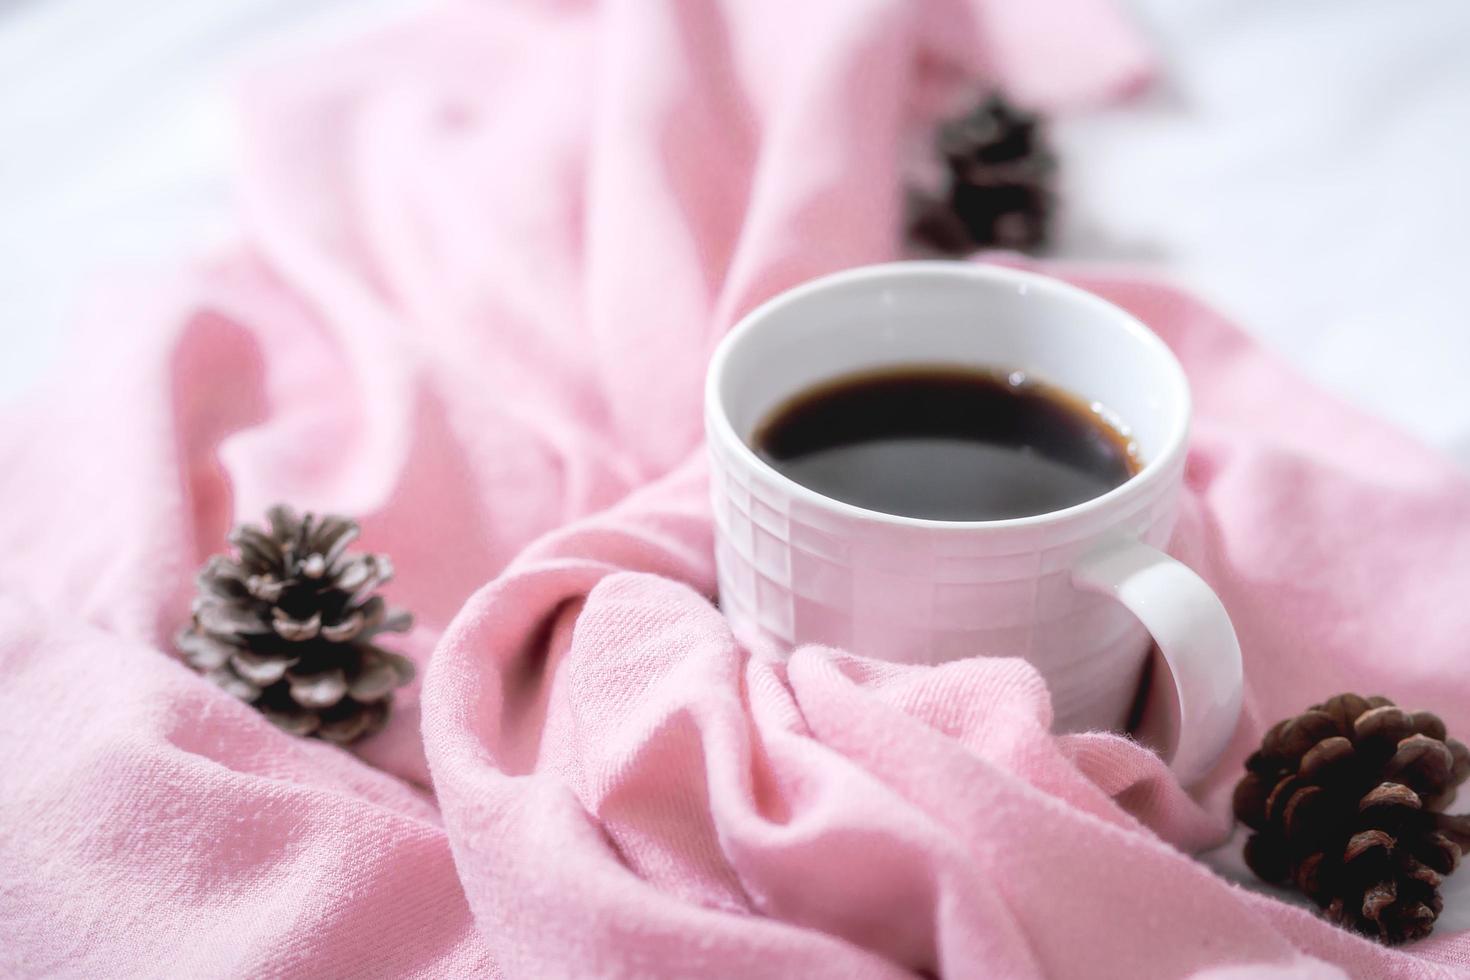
288 624
1000 173
1345 800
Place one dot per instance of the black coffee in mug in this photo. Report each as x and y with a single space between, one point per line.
947 443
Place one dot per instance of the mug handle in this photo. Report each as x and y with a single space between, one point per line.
1194 634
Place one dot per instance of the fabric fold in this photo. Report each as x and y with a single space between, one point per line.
487 253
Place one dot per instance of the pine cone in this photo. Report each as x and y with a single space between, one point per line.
288 625
1000 173
1345 800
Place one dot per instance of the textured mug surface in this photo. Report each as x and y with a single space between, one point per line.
796 567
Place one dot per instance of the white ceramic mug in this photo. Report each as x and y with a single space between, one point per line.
1075 591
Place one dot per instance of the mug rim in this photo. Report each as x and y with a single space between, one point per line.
719 426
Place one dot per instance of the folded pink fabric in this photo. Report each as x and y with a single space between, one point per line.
490 250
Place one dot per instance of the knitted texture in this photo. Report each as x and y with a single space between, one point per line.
491 250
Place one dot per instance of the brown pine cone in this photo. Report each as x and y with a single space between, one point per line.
288 624
1000 175
1345 800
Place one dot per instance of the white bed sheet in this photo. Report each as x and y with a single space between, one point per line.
115 143
1302 164
1306 166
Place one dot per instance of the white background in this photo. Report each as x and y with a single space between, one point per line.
1304 164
